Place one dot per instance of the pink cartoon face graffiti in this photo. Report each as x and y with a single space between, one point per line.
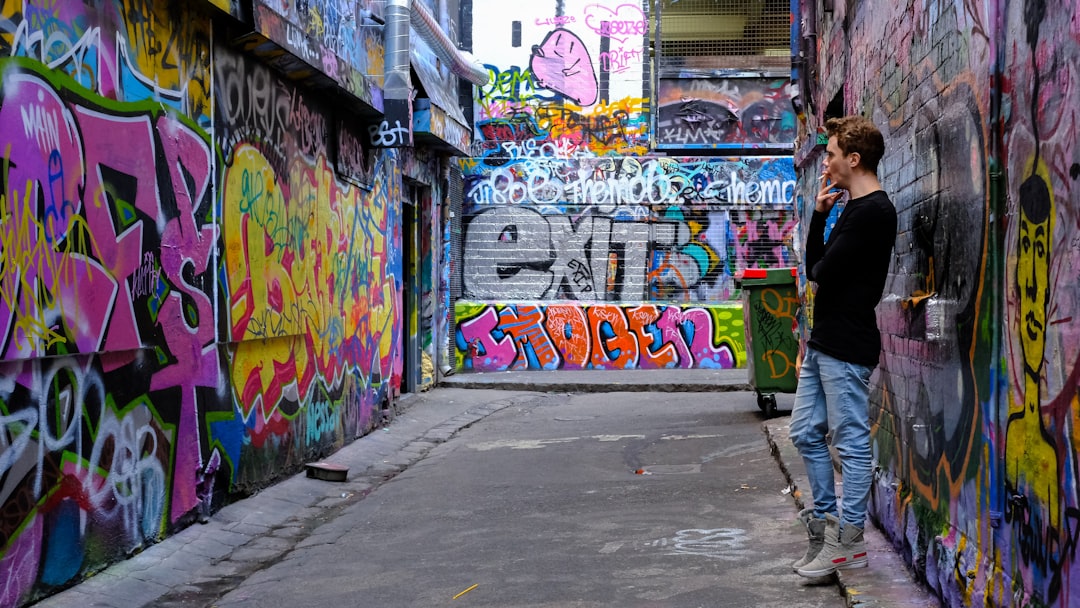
562 63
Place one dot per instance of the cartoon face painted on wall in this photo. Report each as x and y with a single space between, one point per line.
1033 269
562 63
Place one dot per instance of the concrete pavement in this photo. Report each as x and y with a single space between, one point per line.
193 567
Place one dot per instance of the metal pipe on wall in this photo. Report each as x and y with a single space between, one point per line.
398 81
396 129
460 62
397 86
400 14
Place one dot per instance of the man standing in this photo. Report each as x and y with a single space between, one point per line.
832 398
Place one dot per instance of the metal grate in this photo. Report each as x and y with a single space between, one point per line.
455 197
695 28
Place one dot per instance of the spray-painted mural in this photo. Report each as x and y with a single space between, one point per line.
107 295
1041 427
312 266
621 230
624 229
746 113
976 401
598 336
184 313
574 239
107 283
568 77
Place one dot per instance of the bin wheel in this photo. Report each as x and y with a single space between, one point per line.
767 404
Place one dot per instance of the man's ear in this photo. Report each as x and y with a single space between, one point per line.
854 159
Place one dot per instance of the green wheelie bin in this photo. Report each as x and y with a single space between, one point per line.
770 300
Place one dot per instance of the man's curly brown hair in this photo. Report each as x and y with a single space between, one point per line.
858 134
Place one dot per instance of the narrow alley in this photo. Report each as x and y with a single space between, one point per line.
611 495
238 237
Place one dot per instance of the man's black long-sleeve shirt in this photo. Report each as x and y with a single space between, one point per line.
850 272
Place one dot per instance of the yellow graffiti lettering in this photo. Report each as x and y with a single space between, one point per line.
30 254
780 365
780 304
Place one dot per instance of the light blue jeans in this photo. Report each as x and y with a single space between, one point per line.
833 397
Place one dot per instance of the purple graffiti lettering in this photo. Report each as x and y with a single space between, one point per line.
495 354
707 354
42 144
620 24
700 350
185 245
21 561
119 146
557 21
619 60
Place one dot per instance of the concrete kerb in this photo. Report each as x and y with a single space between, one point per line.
572 387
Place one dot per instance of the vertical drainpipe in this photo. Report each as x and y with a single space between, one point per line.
995 253
397 88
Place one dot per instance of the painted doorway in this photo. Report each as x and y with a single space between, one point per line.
410 289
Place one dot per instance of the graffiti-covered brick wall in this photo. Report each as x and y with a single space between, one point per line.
110 360
975 403
608 234
309 270
199 276
493 337
580 248
743 112
624 229
1039 439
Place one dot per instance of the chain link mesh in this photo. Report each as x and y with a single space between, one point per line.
725 28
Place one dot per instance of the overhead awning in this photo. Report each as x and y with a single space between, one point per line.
437 119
